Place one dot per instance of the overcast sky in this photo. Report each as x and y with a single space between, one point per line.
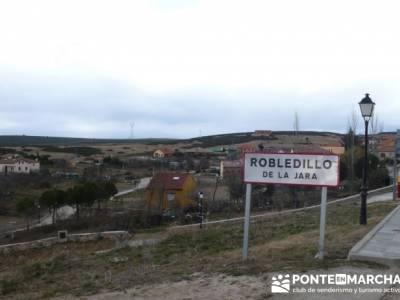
180 68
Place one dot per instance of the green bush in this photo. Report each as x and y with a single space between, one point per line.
8 286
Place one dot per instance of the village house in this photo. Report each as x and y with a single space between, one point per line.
161 153
305 149
246 148
386 146
18 165
170 190
262 133
336 148
230 168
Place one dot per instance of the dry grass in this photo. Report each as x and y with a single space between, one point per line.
277 243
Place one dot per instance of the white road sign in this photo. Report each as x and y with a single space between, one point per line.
291 169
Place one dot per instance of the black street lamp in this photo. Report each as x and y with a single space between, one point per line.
367 109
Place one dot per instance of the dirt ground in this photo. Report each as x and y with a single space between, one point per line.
195 264
216 287
196 287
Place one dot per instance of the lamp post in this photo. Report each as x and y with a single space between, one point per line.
367 108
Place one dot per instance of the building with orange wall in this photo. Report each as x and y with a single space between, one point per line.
170 190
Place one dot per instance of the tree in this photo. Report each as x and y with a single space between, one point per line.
90 192
236 187
381 126
379 178
75 198
105 190
26 208
349 157
113 161
83 194
189 163
374 124
344 170
351 142
53 199
203 164
353 121
373 164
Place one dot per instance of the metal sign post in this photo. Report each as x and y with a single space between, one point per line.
322 222
290 169
246 222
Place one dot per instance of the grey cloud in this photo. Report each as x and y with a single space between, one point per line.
103 107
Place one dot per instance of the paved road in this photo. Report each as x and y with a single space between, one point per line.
381 244
381 197
141 185
62 213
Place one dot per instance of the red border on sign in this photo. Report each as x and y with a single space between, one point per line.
292 184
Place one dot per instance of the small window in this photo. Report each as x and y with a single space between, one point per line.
171 196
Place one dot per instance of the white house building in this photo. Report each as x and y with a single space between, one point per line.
18 165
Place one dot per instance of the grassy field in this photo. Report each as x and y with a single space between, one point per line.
278 243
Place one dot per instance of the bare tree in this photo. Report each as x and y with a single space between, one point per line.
381 126
352 129
374 124
353 121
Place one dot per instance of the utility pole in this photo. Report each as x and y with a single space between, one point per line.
201 196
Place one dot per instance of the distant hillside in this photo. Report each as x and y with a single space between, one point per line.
245 137
26 140
203 142
225 139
